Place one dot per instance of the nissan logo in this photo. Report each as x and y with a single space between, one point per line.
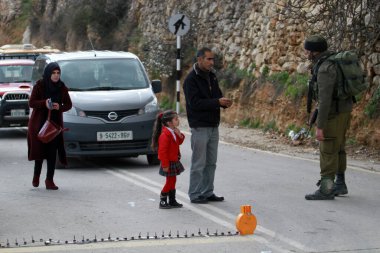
112 116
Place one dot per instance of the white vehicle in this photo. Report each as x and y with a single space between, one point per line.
114 103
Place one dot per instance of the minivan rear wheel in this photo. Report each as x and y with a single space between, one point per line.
152 159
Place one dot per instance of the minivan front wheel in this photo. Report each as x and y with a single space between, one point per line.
152 159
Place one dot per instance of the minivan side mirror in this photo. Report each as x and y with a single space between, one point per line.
156 86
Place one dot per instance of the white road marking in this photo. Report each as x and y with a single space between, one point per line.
156 188
132 204
132 244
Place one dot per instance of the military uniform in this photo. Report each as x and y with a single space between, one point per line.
334 119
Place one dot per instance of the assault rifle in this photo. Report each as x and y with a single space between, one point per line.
309 97
312 120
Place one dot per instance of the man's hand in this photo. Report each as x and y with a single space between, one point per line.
225 102
319 134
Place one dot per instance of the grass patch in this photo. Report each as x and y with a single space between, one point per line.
270 126
250 123
292 127
265 71
296 86
351 141
166 104
231 77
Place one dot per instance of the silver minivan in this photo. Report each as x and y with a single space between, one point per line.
114 103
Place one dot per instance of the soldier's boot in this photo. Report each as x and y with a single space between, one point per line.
164 201
325 191
340 187
172 201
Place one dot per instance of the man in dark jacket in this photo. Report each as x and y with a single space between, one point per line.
333 120
203 101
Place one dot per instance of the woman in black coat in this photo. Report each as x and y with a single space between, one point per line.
49 87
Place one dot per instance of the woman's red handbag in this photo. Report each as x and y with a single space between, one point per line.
49 130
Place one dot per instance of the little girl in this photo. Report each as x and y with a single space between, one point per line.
167 138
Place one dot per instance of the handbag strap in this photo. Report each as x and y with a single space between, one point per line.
49 113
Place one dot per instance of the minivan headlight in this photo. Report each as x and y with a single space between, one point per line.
152 106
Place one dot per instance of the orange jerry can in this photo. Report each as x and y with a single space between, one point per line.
246 222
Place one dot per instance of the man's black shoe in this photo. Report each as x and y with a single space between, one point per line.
199 200
213 197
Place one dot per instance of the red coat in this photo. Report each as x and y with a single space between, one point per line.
168 148
37 101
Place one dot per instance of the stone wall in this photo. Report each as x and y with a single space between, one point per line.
246 33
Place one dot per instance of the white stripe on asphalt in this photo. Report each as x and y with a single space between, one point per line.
129 244
155 187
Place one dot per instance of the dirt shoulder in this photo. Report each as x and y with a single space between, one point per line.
358 156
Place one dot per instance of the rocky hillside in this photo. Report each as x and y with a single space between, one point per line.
258 44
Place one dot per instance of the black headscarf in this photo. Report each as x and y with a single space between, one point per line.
53 90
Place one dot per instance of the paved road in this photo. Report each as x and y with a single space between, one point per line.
118 198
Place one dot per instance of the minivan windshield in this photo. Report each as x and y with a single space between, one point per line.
103 74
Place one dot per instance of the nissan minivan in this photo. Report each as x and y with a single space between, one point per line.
114 103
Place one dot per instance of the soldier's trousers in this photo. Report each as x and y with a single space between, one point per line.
333 158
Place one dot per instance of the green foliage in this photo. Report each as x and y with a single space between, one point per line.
80 20
372 110
252 67
166 104
26 8
292 127
265 71
279 78
232 76
351 141
296 86
89 13
250 123
13 30
270 126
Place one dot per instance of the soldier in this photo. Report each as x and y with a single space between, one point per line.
333 120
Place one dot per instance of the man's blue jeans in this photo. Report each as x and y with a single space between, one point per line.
204 144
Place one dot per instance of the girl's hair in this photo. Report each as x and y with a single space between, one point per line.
161 119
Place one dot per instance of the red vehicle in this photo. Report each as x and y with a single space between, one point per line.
15 87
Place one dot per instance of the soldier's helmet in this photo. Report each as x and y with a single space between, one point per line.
315 43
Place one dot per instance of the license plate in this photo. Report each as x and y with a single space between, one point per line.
114 136
17 112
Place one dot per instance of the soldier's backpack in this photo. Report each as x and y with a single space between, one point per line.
354 78
354 81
